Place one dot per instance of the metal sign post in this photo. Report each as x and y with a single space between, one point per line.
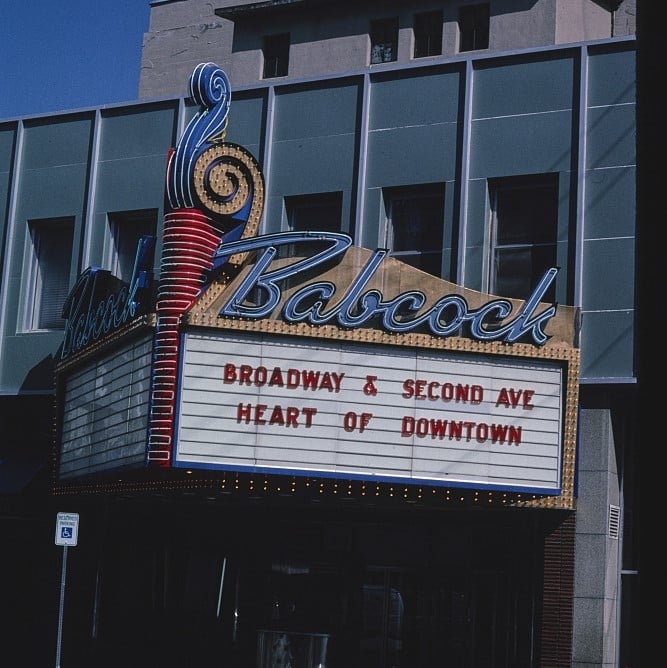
67 533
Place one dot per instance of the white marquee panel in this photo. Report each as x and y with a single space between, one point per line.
360 422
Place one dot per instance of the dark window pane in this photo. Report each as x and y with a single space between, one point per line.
527 215
519 269
417 223
525 233
474 27
428 34
127 228
321 212
52 241
415 218
384 40
276 55
430 262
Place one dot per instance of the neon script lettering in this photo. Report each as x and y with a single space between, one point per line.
97 305
321 303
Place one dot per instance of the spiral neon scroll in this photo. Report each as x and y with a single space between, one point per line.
209 87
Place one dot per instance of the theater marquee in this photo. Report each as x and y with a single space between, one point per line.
271 403
300 354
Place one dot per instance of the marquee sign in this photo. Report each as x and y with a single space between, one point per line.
272 403
100 303
317 302
299 353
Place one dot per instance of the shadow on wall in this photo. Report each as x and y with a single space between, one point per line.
40 377
26 421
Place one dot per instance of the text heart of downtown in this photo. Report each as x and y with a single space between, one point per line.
435 392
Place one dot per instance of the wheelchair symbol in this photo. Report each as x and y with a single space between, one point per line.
66 532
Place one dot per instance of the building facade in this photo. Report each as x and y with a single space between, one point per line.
327 37
476 164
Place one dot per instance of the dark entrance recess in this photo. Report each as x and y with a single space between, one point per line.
265 587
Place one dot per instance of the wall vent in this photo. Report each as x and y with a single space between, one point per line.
614 522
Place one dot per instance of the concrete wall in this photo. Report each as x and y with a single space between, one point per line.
181 34
598 555
333 37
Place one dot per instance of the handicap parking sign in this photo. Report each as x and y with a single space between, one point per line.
67 528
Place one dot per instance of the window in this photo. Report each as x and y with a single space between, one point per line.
474 27
524 230
414 229
384 40
276 55
49 272
428 34
321 212
126 229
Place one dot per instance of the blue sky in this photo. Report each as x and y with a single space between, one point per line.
68 54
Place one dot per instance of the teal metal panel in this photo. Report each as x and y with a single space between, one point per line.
475 257
515 145
57 141
607 344
429 98
414 139
133 157
52 192
414 155
413 129
610 203
320 164
611 136
612 76
123 185
132 166
54 168
44 192
608 261
7 138
477 212
48 189
53 179
316 111
609 268
315 146
273 218
138 132
26 363
475 232
247 122
511 87
372 230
